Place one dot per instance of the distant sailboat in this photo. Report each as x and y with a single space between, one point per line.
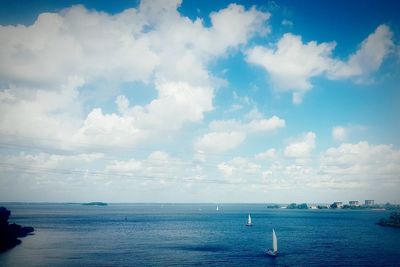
249 221
274 251
217 209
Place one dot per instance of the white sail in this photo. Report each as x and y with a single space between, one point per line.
249 220
217 208
274 241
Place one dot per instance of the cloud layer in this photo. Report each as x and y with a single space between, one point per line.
225 135
292 64
157 104
152 43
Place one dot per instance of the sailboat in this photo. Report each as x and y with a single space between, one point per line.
274 251
249 221
217 209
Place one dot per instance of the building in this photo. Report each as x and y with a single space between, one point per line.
369 202
354 203
338 204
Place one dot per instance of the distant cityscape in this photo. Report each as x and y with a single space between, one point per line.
352 204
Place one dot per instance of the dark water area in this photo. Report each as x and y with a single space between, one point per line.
198 235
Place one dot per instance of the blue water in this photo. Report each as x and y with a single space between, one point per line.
196 234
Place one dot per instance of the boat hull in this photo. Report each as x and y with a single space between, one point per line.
249 225
272 253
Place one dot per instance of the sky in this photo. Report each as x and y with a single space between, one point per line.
199 101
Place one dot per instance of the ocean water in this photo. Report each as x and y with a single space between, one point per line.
198 235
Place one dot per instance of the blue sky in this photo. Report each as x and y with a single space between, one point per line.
199 101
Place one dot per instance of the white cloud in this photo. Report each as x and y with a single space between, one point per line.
83 171
48 117
266 125
75 42
51 71
159 155
301 148
159 168
253 114
338 171
128 166
368 58
47 176
343 133
108 130
245 24
348 166
219 142
362 161
45 162
292 64
225 169
253 122
177 103
96 48
226 125
183 44
339 133
373 168
266 155
240 102
236 131
240 169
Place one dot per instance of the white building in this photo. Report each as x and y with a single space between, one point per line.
354 203
369 202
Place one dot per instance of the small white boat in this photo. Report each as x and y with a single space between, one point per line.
274 251
217 209
249 221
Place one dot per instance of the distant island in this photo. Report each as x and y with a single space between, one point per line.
297 206
95 204
9 233
393 221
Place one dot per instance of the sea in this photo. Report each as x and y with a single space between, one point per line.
199 235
